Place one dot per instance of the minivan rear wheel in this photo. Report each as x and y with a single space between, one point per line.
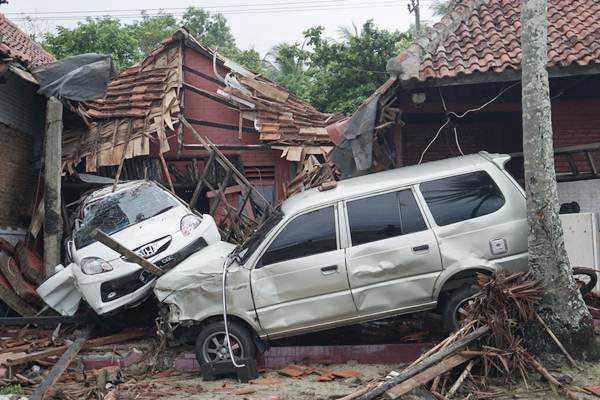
457 307
211 344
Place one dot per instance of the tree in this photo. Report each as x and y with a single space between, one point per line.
562 305
288 62
441 7
344 74
150 31
101 35
211 29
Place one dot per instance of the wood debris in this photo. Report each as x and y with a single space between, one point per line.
489 343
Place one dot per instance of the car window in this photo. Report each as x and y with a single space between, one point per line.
384 216
462 197
121 210
306 235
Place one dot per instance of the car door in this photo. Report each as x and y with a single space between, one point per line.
393 260
300 280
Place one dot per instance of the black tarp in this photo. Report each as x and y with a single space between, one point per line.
79 78
355 152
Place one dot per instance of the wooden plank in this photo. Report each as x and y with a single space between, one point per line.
41 392
125 252
426 363
90 344
429 374
202 180
14 302
120 169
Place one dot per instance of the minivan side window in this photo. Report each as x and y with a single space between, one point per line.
462 197
309 234
384 216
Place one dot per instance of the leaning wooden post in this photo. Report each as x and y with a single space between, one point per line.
52 177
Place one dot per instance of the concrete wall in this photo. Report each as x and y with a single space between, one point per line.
586 193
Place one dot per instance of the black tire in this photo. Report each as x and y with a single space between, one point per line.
589 279
452 305
245 347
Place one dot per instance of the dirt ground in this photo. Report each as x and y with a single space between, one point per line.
191 386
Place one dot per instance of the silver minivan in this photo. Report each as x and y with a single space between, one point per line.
385 244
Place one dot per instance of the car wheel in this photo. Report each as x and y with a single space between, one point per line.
456 307
585 278
211 344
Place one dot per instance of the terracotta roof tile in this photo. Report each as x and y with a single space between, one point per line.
484 36
17 44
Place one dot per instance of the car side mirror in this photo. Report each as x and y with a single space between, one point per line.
77 223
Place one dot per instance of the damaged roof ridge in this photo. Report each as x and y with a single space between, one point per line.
407 64
31 54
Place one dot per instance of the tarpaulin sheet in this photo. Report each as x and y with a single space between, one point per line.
80 78
355 151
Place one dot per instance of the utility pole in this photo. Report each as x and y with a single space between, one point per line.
52 176
414 8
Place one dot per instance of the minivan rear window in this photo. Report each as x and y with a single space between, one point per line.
462 197
384 216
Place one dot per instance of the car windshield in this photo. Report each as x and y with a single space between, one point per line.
121 210
258 236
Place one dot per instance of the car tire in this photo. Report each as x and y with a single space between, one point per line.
456 301
588 278
211 346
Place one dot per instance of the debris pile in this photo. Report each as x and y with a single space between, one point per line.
21 271
489 343
314 174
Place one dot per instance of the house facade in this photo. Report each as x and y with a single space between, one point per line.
22 115
457 90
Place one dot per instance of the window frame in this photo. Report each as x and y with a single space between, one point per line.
418 200
258 264
430 215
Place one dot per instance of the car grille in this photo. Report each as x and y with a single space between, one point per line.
117 288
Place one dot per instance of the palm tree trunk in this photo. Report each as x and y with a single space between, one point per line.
562 305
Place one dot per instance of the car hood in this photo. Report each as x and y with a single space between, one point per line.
201 271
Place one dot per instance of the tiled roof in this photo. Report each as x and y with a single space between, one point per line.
15 43
484 36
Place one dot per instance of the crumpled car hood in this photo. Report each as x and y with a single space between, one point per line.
202 270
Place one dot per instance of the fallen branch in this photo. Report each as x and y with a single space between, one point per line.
555 339
552 380
461 379
425 364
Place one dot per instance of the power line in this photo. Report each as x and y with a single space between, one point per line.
231 12
222 8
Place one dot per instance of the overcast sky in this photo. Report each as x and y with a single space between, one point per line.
255 23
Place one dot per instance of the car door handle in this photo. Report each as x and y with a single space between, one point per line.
418 249
331 269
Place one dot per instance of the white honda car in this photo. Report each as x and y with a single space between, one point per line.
142 216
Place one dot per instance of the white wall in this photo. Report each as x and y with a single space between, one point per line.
586 193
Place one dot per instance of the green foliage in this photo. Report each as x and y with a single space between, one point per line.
11 389
130 43
337 76
100 35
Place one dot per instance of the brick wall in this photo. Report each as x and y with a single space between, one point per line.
203 108
23 109
16 183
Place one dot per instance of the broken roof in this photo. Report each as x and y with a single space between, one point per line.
483 36
142 102
16 44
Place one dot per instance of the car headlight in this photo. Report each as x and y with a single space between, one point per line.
94 266
189 223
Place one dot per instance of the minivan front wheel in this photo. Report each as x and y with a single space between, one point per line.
457 307
211 344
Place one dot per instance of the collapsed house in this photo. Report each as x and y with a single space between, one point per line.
264 130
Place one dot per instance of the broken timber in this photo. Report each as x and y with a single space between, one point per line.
63 363
128 254
425 364
237 226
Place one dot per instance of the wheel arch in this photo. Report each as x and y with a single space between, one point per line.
459 278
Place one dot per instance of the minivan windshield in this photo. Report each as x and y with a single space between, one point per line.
121 210
259 235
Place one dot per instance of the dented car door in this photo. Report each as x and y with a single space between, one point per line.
300 280
393 260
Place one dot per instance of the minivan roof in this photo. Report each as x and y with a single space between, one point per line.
398 177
